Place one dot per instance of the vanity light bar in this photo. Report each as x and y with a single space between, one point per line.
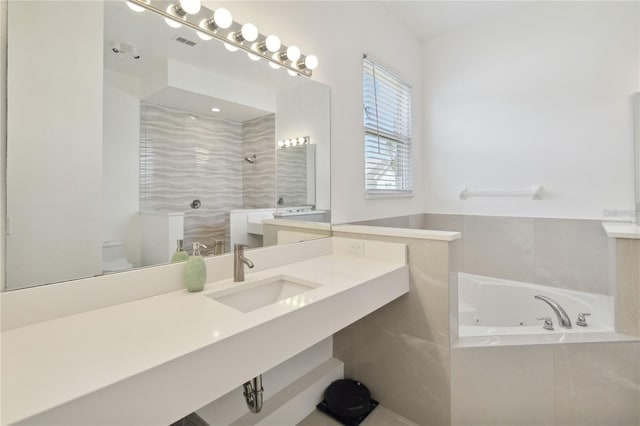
288 57
302 140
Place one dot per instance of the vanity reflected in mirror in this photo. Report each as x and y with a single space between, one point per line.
126 135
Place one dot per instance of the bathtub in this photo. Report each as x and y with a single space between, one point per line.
496 307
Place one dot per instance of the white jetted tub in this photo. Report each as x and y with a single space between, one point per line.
496 307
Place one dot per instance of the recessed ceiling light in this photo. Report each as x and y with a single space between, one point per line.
215 110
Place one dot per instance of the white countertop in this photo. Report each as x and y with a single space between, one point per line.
51 363
302 224
621 230
422 234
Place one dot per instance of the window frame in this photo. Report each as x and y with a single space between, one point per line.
403 137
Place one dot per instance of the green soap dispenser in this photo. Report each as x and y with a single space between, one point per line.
196 269
180 255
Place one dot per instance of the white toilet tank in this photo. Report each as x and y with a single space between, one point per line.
114 258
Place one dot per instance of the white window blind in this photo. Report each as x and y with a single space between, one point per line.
387 131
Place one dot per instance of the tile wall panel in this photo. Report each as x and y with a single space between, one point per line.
258 179
188 156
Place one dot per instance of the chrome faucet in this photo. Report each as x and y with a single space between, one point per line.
563 318
238 263
548 324
582 319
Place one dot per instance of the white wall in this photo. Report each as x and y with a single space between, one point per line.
221 86
3 136
339 33
55 215
121 162
542 97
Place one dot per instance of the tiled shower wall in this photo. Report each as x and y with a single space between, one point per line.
566 253
188 156
258 179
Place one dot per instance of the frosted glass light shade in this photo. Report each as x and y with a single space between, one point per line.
249 32
273 64
311 62
135 7
272 43
222 17
171 22
293 53
230 47
203 36
190 6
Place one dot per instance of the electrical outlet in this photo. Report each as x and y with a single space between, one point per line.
356 247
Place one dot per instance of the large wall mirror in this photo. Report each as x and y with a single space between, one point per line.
126 135
636 124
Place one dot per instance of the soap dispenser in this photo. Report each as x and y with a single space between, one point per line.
196 269
180 255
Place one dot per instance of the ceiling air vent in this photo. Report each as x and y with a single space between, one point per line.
185 41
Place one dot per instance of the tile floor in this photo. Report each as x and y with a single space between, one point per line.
379 417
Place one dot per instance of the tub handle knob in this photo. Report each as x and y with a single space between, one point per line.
548 323
582 320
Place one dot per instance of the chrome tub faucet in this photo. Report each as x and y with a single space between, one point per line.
563 318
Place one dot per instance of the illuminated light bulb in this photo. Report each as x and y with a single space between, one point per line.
190 6
171 22
222 17
293 53
135 7
249 32
280 144
301 140
203 36
214 109
253 57
230 47
311 62
292 73
272 43
274 65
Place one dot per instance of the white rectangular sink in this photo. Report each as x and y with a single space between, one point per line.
246 297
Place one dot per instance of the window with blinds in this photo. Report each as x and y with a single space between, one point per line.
387 132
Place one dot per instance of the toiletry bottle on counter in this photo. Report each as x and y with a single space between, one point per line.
196 269
180 255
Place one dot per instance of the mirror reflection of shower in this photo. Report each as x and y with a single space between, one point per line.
251 159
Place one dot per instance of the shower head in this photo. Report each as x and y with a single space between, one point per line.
251 159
